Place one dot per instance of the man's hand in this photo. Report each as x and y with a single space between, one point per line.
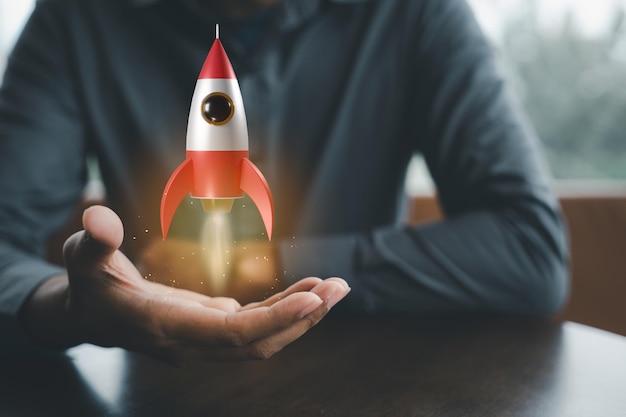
105 301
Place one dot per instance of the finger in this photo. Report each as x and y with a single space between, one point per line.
229 305
104 226
212 327
102 236
305 284
331 290
266 347
260 349
169 291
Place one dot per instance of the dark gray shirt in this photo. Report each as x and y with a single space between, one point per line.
339 95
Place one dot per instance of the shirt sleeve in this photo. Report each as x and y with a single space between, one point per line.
502 245
42 160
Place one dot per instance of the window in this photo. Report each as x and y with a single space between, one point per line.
13 14
566 63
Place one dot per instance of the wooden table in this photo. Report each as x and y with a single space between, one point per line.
346 367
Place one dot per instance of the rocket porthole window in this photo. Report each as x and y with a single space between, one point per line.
218 108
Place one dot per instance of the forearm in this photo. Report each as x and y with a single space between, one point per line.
45 317
21 275
478 262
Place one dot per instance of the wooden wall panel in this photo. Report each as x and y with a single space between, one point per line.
597 227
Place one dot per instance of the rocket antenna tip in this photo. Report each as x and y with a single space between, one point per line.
217 31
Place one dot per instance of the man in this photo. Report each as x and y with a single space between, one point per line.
339 95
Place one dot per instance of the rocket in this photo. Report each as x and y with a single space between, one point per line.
216 169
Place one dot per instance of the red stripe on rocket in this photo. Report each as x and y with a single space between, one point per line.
217 165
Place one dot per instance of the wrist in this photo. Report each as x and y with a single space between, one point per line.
46 318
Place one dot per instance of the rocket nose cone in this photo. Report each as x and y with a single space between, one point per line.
217 64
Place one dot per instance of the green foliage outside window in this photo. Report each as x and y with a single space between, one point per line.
573 89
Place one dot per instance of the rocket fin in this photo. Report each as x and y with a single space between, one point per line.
178 186
255 185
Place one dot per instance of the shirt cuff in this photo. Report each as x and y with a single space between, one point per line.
18 282
322 257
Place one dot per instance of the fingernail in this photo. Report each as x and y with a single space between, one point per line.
333 299
311 307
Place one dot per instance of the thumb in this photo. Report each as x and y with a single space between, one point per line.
102 236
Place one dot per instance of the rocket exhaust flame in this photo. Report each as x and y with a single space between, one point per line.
217 249
215 206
